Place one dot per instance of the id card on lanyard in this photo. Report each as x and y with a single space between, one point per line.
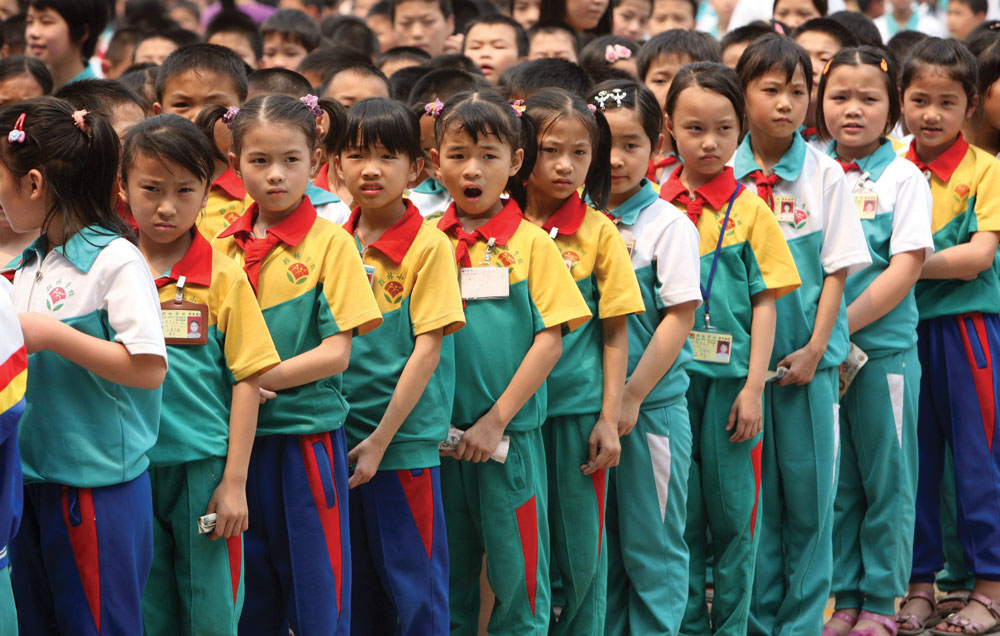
184 322
865 201
369 269
485 281
710 344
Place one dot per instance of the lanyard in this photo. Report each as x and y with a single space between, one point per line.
706 290
357 243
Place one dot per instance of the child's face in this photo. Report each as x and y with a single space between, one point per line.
382 26
526 12
124 116
660 75
557 44
350 87
391 66
46 36
475 173
731 54
630 19
275 163
164 198
706 130
19 88
280 52
630 151
776 106
564 154
237 43
493 47
671 14
186 19
583 15
991 105
820 47
422 24
376 177
24 201
935 108
8 8
856 108
961 20
153 50
188 92
792 13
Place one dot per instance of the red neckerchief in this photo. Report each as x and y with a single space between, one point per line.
810 132
715 193
765 186
656 166
847 165
322 179
500 228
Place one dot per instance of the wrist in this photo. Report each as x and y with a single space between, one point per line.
815 348
754 386
234 478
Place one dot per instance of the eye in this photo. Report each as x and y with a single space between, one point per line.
771 91
631 145
149 188
185 190
490 156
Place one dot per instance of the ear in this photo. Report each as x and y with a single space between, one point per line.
659 144
416 167
973 104
670 126
337 167
204 199
234 163
123 192
515 162
36 181
320 127
316 156
435 158
451 27
157 108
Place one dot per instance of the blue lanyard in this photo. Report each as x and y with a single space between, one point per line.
706 291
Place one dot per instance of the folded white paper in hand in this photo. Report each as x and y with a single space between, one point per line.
450 443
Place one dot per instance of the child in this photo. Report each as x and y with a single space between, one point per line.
906 15
584 17
821 38
350 84
22 78
238 32
14 363
313 291
874 505
553 40
288 35
808 193
964 16
379 20
63 34
400 396
199 463
425 24
91 322
495 43
499 508
630 18
401 57
668 15
736 41
609 52
110 99
957 334
585 387
793 13
524 11
983 129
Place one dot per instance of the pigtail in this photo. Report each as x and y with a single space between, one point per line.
206 121
529 143
597 185
97 133
332 137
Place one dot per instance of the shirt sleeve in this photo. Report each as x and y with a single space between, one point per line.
347 300
844 245
435 299
912 216
988 196
772 258
248 346
678 264
617 285
133 304
552 288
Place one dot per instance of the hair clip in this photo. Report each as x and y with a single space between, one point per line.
884 66
826 69
615 52
78 119
230 115
312 103
433 109
16 135
518 107
618 95
592 108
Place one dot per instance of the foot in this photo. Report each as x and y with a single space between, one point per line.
840 626
976 613
918 607
953 602
874 627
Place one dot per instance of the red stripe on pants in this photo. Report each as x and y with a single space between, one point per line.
527 527
599 491
755 459
419 493
234 546
83 541
329 518
982 379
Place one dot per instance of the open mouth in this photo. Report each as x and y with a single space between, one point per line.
472 192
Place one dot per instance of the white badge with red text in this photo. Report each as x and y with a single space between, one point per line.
784 208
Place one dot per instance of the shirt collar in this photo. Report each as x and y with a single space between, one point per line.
290 230
396 240
319 196
81 249
787 169
86 73
322 179
229 183
717 191
196 264
500 228
429 185
628 212
569 217
945 165
875 163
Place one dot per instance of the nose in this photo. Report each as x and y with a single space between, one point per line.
471 170
617 159
165 208
563 165
275 174
370 170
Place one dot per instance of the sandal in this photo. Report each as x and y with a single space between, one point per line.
919 624
969 626
961 597
844 616
884 621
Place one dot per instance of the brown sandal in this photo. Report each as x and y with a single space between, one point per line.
919 624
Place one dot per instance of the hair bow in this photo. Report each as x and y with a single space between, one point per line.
433 109
312 103
615 52
230 115
618 95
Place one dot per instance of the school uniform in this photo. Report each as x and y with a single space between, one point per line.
958 338
85 545
430 197
13 381
647 496
921 20
596 257
310 285
227 201
502 509
751 256
816 213
196 584
399 546
874 505
328 205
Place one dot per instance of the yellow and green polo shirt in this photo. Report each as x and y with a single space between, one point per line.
227 201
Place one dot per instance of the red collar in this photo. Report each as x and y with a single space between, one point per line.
290 230
396 240
717 191
501 227
569 217
322 179
945 165
229 183
196 264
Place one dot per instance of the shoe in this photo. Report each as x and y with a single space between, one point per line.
920 624
969 626
844 616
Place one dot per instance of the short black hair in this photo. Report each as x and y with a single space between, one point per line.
326 60
101 96
141 80
699 47
976 6
368 70
443 84
527 78
447 10
86 20
859 56
351 32
17 65
593 57
710 76
453 60
637 98
556 10
746 34
203 57
555 26
233 21
981 39
901 44
278 80
147 15
988 61
774 53
819 5
950 56
830 27
293 25
382 8
13 32
414 53
180 37
468 10
860 26
122 44
520 35
379 121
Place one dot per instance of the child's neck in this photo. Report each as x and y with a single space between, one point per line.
693 180
768 150
980 133
541 206
220 168
471 222
66 70
161 257
375 221
853 153
616 199
930 154
13 243
266 219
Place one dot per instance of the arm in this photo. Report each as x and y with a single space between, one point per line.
327 359
109 360
412 381
656 360
484 436
887 290
746 415
229 501
604 445
964 261
802 363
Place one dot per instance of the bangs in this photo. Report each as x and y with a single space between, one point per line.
774 53
477 118
377 121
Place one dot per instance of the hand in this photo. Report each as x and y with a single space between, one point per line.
37 329
266 395
605 449
366 457
801 365
629 415
746 416
481 439
229 503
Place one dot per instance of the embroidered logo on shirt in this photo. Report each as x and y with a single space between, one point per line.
961 193
801 216
297 273
58 293
230 217
393 292
506 259
570 258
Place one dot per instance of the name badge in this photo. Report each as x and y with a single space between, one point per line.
184 323
370 270
866 204
712 346
478 283
784 207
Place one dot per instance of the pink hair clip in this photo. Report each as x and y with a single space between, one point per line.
615 52
230 115
519 107
433 109
16 135
312 103
78 119
592 108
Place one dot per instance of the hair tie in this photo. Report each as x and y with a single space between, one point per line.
312 103
884 66
778 28
16 134
78 119
592 108
518 107
618 95
230 115
433 109
826 68
615 52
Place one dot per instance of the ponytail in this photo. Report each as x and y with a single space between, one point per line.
207 119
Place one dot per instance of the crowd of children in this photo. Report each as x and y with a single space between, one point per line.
324 323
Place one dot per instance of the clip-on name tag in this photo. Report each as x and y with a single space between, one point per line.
485 281
184 322
865 201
